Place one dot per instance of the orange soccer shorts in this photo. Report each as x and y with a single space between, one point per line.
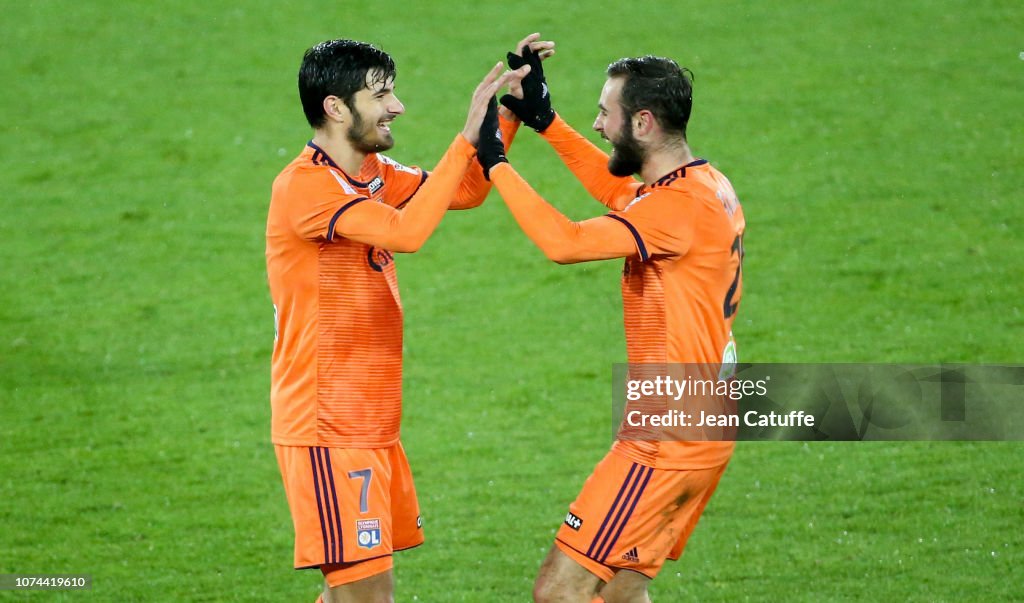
350 506
631 516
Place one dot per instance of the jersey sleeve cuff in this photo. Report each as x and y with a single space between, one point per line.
501 168
557 127
506 124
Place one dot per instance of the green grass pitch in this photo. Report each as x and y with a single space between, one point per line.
876 147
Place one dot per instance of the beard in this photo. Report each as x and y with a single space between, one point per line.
627 155
365 138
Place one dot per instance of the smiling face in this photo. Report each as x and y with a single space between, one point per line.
616 127
372 110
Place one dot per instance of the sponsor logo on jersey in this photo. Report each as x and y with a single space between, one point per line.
419 521
368 533
379 258
632 556
573 522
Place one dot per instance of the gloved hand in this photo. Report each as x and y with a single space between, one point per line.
490 149
534 109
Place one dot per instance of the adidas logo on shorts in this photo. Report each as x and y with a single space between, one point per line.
632 556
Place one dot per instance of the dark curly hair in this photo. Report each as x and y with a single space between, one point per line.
339 68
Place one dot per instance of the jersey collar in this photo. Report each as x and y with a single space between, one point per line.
679 172
320 157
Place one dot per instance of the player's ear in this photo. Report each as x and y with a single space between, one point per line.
335 109
643 123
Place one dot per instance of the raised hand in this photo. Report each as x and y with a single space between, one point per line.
483 95
531 102
544 49
490 150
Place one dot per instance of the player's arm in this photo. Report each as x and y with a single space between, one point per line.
590 165
405 230
561 239
532 103
474 186
656 223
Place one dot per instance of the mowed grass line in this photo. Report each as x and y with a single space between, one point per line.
872 146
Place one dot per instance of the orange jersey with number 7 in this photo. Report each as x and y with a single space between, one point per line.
336 377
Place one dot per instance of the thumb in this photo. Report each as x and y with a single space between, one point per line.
511 102
514 60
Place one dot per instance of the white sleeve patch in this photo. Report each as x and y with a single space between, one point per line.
634 201
345 185
396 165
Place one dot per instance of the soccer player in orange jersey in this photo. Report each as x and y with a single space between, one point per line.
680 229
338 213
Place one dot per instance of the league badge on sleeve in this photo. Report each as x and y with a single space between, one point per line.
368 533
396 165
375 185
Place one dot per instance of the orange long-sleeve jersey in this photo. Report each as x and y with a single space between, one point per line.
336 371
681 282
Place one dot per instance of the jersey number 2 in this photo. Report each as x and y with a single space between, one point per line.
729 307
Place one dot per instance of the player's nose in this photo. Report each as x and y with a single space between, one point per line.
396 107
598 124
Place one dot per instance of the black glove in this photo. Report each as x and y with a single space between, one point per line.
490 150
534 109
